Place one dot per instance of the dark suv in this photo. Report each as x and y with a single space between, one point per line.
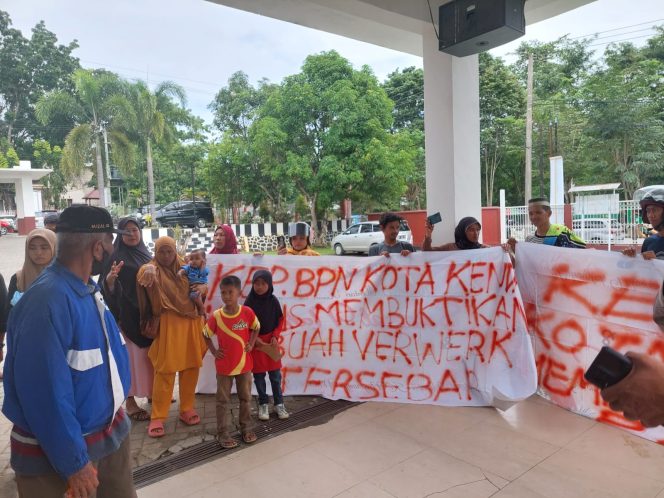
185 213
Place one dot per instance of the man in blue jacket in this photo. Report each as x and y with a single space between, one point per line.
66 373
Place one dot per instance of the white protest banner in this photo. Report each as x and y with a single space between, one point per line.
578 301
437 328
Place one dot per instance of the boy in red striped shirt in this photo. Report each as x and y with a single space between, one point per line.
236 328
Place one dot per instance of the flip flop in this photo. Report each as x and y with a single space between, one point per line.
227 442
156 428
249 437
139 415
190 417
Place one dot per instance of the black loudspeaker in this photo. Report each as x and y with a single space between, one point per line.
471 26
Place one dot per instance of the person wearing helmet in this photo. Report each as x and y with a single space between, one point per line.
298 236
651 200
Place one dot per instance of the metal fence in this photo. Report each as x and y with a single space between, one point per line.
623 226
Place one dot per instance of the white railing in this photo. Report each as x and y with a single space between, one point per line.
623 227
518 224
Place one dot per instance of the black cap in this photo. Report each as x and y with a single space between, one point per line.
51 219
81 218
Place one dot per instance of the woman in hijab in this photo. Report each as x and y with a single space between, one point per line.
466 236
171 319
224 242
39 252
119 290
265 354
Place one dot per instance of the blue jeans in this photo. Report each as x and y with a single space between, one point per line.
275 382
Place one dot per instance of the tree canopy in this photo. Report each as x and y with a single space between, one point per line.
300 147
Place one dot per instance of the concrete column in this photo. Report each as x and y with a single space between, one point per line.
557 189
452 136
25 205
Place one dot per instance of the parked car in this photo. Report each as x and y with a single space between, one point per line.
361 236
185 213
6 226
596 230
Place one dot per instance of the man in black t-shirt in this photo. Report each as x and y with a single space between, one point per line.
390 224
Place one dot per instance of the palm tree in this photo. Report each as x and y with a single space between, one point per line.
143 117
89 108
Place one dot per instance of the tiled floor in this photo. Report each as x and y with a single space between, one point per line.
395 450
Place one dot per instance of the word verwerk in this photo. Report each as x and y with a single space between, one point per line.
438 328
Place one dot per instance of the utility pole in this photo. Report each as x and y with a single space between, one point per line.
193 183
529 132
107 190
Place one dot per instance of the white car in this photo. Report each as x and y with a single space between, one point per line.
361 236
596 230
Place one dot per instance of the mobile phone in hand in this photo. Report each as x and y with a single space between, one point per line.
434 218
608 368
281 242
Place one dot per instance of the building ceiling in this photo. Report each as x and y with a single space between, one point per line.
395 24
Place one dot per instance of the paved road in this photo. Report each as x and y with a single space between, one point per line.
12 252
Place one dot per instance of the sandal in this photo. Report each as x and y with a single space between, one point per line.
227 442
249 437
139 415
156 428
190 417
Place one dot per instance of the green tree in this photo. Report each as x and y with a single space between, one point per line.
30 68
624 115
561 69
141 114
254 146
337 121
181 164
89 106
55 183
502 105
406 89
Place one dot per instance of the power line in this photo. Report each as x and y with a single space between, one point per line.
651 30
618 41
616 29
134 70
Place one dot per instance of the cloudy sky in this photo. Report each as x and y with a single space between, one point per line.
199 44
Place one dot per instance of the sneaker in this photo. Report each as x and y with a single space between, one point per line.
264 412
281 411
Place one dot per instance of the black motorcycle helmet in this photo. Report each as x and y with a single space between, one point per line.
647 196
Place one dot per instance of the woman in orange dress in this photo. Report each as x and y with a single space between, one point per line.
171 318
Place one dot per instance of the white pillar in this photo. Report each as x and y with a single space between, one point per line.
503 217
452 136
557 189
25 198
